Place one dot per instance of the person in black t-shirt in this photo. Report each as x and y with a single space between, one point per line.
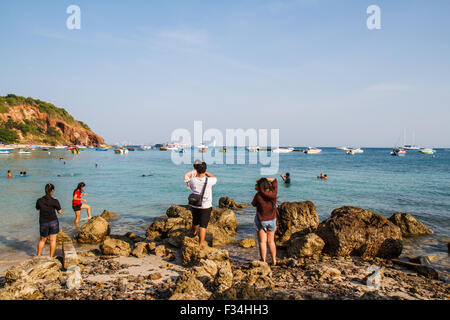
48 221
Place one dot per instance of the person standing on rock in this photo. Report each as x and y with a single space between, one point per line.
76 202
201 213
265 201
48 220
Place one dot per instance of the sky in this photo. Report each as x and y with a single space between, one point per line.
138 70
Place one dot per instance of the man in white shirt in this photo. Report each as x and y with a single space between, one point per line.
202 214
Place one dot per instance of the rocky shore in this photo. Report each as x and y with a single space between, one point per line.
351 255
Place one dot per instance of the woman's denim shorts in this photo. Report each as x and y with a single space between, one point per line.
270 225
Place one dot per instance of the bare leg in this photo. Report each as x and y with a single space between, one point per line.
262 239
194 230
52 244
77 217
202 236
88 208
272 246
41 245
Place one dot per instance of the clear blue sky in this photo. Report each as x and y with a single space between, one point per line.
139 69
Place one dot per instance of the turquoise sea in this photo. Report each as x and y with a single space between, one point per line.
418 184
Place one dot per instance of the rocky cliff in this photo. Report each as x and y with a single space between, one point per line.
26 120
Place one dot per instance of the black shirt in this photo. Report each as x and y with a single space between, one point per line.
287 180
47 208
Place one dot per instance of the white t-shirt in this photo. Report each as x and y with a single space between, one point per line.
196 185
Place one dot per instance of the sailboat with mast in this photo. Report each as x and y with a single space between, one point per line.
410 146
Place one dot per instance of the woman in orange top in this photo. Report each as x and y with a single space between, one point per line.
76 202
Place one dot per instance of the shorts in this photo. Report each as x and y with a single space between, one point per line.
76 208
200 217
48 228
270 225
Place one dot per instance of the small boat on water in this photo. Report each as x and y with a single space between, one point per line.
343 148
428 151
253 149
312 150
21 151
283 150
121 150
163 148
101 149
4 152
411 147
60 147
224 149
354 151
131 149
398 152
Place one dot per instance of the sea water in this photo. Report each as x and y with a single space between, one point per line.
418 184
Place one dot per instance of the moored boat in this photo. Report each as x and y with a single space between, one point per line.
398 151
427 151
283 150
312 150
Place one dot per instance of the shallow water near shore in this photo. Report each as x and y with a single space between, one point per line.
417 184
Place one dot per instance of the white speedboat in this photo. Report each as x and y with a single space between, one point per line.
312 150
427 151
21 151
4 152
253 149
411 147
343 148
60 147
283 150
121 151
357 150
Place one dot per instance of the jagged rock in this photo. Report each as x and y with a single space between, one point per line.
93 231
247 243
222 227
188 287
295 218
108 215
259 274
244 291
409 225
115 247
228 203
309 245
172 230
140 250
38 268
358 232
160 251
61 237
176 211
22 281
74 280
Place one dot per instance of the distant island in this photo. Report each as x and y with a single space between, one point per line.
32 121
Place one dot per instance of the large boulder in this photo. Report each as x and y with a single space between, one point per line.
115 247
22 281
108 215
409 225
359 232
309 245
222 227
211 271
188 287
140 249
178 224
228 203
94 231
247 243
295 218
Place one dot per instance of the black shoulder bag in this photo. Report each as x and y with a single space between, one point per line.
196 200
